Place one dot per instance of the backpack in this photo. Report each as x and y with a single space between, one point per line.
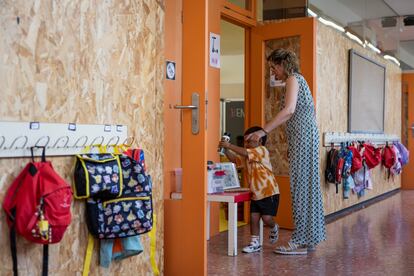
388 158
98 176
348 157
331 161
37 206
404 153
111 215
128 215
397 167
356 159
371 155
362 180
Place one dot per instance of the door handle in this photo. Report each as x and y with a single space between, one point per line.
185 106
195 114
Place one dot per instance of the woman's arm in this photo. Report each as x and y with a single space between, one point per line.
292 89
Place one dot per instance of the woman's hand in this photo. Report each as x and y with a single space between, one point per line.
255 136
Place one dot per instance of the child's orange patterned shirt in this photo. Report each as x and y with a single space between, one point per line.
260 176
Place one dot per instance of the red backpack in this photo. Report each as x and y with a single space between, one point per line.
356 159
371 155
37 207
388 156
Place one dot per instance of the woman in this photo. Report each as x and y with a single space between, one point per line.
303 142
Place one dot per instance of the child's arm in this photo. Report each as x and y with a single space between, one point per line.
230 155
239 150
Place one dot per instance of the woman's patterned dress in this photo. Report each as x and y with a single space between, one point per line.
303 140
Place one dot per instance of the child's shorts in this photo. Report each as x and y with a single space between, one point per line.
265 206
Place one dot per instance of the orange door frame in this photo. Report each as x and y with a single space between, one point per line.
408 171
305 28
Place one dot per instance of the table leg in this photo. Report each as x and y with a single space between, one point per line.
232 234
208 221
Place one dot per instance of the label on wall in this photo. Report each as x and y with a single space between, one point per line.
214 50
170 70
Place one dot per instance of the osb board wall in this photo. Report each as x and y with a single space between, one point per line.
85 62
332 107
277 140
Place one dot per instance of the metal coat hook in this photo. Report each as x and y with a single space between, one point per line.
55 146
131 139
94 141
40 139
3 141
77 141
16 139
114 144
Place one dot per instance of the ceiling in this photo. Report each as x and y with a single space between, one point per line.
382 22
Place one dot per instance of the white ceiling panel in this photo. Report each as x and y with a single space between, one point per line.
402 7
369 9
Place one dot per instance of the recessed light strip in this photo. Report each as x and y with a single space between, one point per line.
331 24
392 59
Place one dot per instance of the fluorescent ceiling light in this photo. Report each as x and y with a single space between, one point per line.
331 24
355 38
312 13
392 59
373 48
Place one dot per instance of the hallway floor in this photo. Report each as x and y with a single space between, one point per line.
376 240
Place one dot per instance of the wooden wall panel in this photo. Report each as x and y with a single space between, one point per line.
332 107
277 139
86 62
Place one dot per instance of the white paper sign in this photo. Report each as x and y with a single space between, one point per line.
214 50
274 82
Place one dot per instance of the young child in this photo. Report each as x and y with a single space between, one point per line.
254 158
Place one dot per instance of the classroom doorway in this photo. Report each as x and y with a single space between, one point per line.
232 100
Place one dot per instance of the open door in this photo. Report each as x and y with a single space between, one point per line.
264 97
186 143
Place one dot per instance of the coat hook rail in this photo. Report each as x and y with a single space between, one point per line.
59 139
336 138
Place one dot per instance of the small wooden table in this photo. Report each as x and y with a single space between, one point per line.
232 199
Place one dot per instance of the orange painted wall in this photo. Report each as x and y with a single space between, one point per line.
407 181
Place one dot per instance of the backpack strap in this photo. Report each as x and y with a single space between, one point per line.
45 259
43 153
88 256
13 249
152 235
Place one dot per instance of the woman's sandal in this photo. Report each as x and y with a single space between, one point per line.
291 249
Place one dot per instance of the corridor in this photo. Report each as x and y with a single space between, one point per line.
376 240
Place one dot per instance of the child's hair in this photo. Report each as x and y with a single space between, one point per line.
254 129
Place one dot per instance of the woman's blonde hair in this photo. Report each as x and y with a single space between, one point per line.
286 58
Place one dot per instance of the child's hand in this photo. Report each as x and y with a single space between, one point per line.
224 144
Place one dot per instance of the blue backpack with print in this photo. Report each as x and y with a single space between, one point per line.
129 214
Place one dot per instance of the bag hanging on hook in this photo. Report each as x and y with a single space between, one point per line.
98 175
37 206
